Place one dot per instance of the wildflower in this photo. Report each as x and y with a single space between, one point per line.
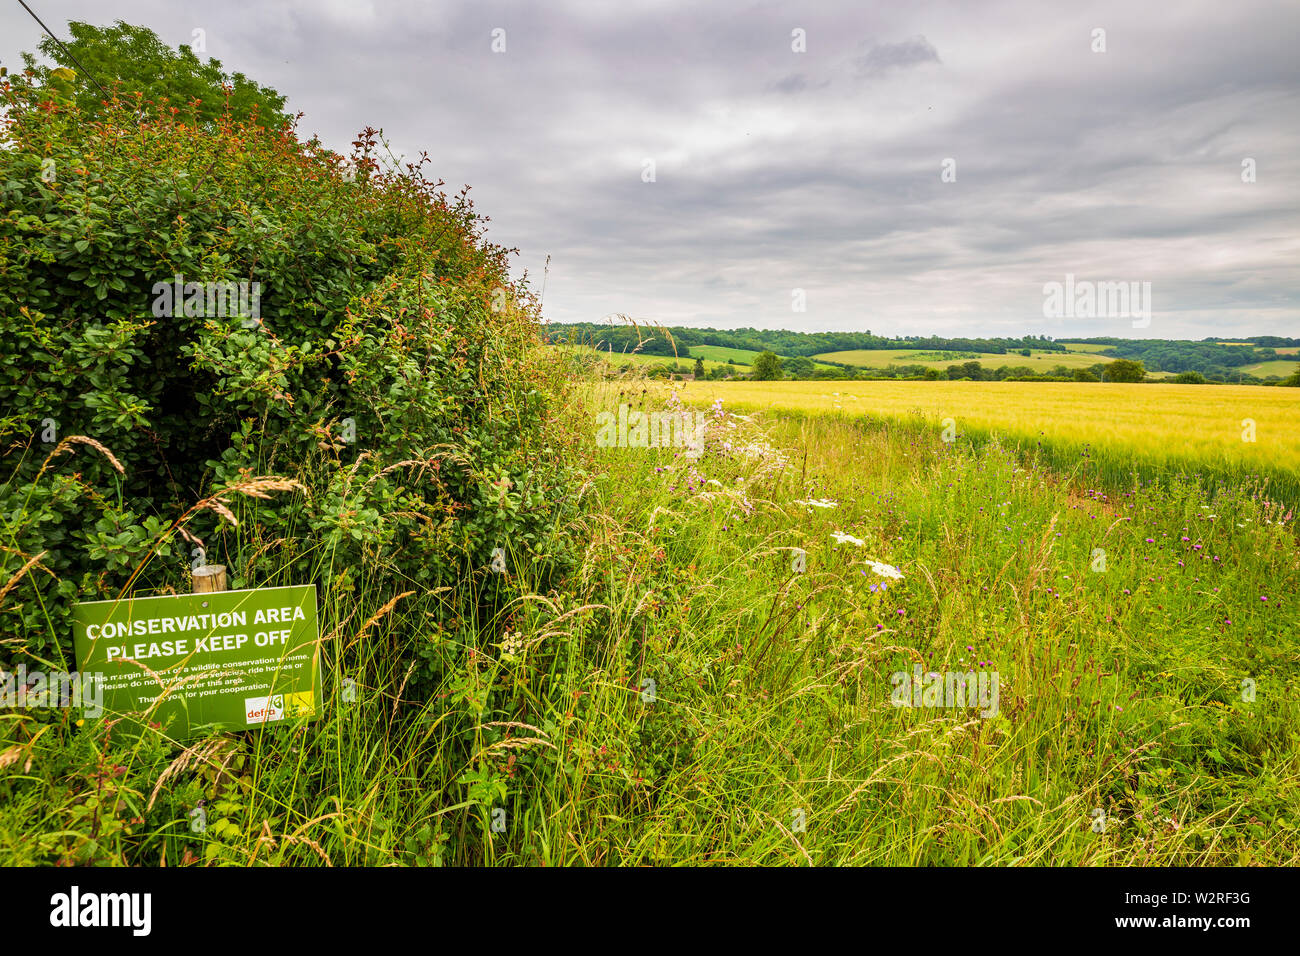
885 570
842 538
512 643
818 503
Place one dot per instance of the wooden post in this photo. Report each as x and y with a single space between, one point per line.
210 577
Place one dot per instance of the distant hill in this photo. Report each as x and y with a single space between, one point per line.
1261 357
659 340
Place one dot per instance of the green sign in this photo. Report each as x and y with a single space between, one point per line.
233 659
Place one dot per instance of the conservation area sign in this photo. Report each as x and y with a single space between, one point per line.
233 659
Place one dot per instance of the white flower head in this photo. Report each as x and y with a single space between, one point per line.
818 503
885 570
842 538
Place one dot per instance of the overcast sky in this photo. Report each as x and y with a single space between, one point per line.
777 170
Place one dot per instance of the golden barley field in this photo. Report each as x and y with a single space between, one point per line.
1227 429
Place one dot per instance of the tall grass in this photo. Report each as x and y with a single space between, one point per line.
686 696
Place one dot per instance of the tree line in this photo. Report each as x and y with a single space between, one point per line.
678 340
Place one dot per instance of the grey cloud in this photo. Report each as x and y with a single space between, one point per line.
1116 166
881 57
793 83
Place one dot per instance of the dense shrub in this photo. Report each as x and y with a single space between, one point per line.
1124 370
392 374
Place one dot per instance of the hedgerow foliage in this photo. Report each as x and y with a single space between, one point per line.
393 375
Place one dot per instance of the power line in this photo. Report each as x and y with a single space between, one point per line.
65 50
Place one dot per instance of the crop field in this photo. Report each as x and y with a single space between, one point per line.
1225 433
1280 350
720 353
1085 346
1279 367
745 357
1039 361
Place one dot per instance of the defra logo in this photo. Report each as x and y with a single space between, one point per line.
260 710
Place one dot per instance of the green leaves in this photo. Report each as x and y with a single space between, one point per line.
486 788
